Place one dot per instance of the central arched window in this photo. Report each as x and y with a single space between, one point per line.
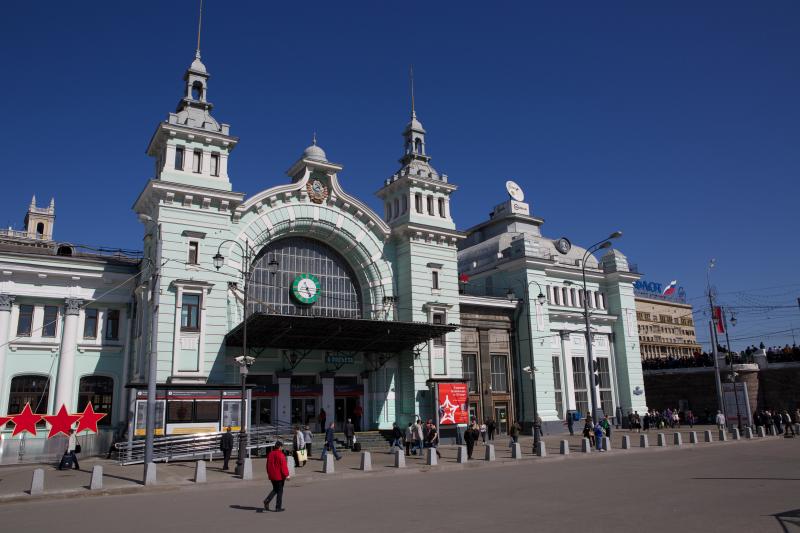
99 391
280 262
29 388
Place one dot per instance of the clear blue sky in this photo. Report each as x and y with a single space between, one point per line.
676 122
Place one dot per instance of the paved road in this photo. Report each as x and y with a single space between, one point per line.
726 486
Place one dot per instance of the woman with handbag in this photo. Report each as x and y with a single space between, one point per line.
69 456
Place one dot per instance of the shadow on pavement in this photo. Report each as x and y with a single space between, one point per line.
247 508
789 518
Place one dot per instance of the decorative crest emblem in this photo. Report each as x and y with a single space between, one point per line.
317 191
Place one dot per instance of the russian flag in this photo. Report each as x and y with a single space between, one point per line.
670 290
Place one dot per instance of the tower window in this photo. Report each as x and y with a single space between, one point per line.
418 202
197 158
40 229
418 145
405 204
441 207
215 164
50 321
430 205
396 207
179 158
90 323
434 279
197 91
194 247
388 211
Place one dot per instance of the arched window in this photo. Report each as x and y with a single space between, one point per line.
99 391
396 207
418 145
279 264
40 228
29 388
197 91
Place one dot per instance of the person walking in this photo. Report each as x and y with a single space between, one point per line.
720 421
491 427
787 421
349 433
308 437
322 418
409 438
598 436
330 443
278 473
299 447
690 418
588 431
570 422
433 440
469 440
419 437
514 432
397 438
483 432
606 425
226 447
69 454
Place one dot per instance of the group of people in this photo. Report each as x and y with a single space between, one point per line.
781 419
416 437
595 431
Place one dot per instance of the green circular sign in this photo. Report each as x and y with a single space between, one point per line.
306 288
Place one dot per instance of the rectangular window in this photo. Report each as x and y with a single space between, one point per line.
434 279
179 158
499 374
470 371
178 412
197 158
25 321
604 375
430 205
405 204
215 164
557 386
418 202
50 321
112 324
90 324
193 251
206 411
190 312
438 318
441 207
579 381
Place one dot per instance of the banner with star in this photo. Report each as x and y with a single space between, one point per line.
453 407
60 423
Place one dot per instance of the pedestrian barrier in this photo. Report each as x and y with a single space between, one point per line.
643 441
661 441
607 443
564 448
626 442
327 463
677 439
541 449
586 446
431 458
489 453
366 462
516 451
693 437
37 482
748 432
150 474
247 469
462 454
707 436
723 435
96 482
761 432
199 472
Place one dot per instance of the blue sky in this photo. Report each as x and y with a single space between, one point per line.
674 122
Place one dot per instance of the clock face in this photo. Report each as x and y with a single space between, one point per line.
306 288
563 245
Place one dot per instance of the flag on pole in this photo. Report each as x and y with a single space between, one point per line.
670 289
718 319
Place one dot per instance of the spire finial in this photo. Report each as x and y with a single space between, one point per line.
33 201
314 138
199 27
411 75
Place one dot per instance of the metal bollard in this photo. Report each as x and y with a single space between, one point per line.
431 458
399 459
541 449
247 469
760 432
199 472
748 432
661 441
723 435
366 462
516 451
462 454
489 453
328 465
150 474
735 433
607 443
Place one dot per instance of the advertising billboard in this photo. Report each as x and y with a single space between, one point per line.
453 408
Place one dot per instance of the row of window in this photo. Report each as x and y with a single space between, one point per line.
433 206
664 319
499 372
50 322
197 161
568 297
35 390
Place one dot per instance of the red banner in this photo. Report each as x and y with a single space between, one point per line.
719 320
453 408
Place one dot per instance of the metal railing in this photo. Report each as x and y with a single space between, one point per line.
199 445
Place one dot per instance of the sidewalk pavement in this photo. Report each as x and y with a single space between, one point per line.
15 480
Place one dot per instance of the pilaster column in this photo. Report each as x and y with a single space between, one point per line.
366 421
6 301
327 396
65 380
569 386
284 401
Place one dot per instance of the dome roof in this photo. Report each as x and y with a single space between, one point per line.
198 65
415 125
315 152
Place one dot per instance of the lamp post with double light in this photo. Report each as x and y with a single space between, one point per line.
531 370
597 413
246 272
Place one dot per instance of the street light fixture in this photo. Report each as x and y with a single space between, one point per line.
597 413
537 427
244 361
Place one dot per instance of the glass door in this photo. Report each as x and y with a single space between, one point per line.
261 411
501 416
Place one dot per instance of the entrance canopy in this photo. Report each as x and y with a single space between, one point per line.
293 332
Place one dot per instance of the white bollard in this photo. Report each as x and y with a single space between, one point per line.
707 436
661 441
97 478
626 442
37 482
290 465
541 449
735 433
366 462
516 451
247 469
431 458
748 432
489 454
199 472
761 433
692 437
643 441
564 448
462 454
586 446
607 443
723 435
399 459
677 439
150 474
327 464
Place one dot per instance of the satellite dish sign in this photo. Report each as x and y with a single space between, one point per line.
515 191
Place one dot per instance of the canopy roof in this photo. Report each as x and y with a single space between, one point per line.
296 332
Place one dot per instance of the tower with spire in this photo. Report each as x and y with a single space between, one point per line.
39 220
416 202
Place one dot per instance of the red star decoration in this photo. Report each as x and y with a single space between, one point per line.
3 420
89 419
61 422
25 421
448 411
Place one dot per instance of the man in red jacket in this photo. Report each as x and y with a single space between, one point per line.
278 473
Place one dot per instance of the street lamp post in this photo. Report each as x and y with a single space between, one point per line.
605 243
541 298
733 373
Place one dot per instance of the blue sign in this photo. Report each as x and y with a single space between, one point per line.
652 289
